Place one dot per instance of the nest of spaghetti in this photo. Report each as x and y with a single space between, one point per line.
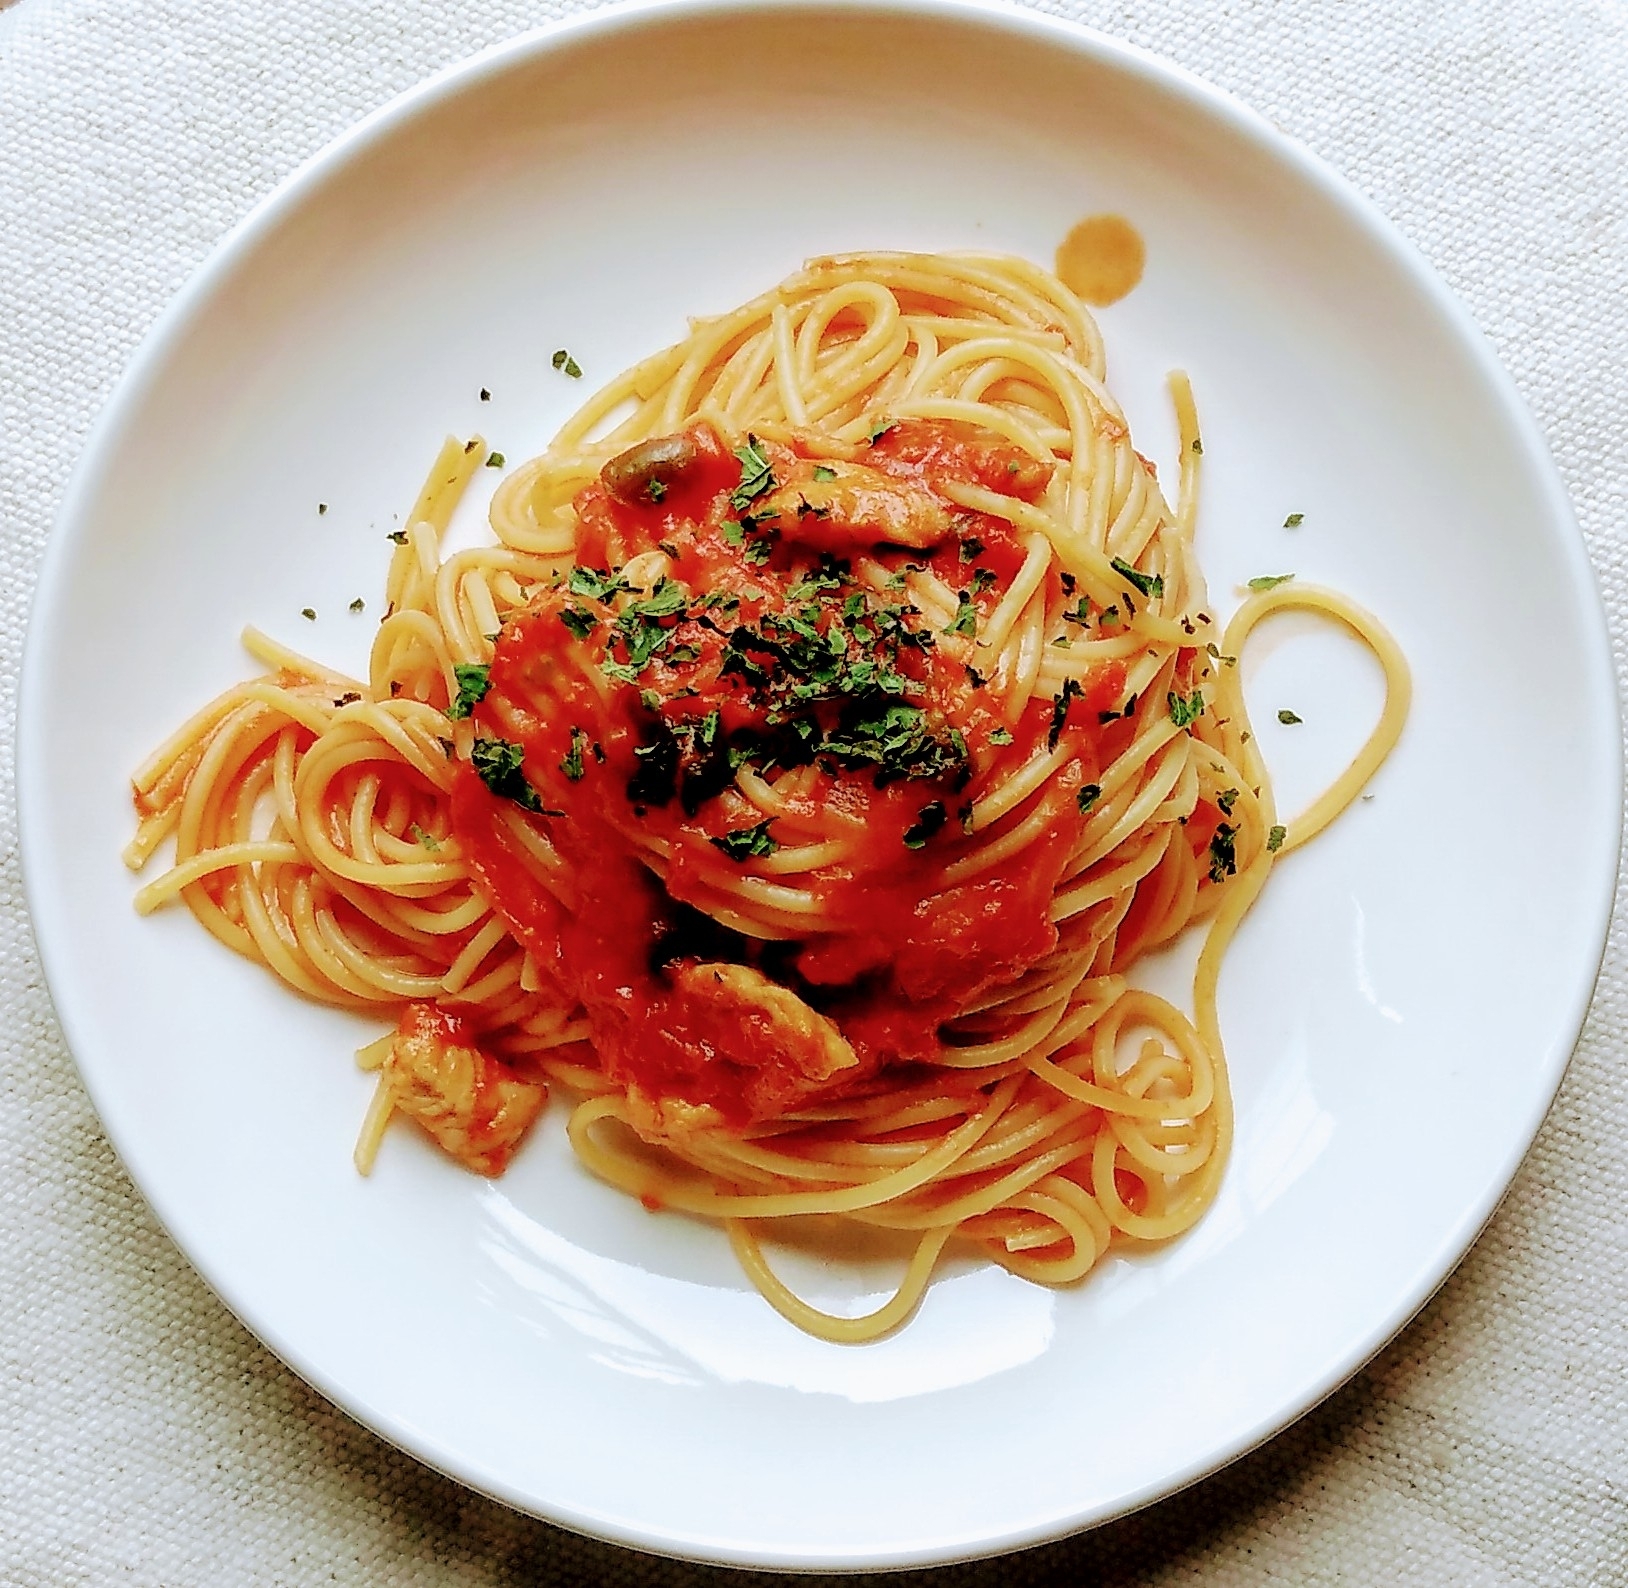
834 723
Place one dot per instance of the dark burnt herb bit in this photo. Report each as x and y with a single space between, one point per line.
1069 583
1127 710
982 579
473 679
1150 584
757 475
929 820
1060 704
572 765
1198 445
485 396
348 698
499 764
398 535
975 678
322 507
1088 796
309 614
1185 710
1224 852
1274 839
747 843
971 549
1288 718
358 605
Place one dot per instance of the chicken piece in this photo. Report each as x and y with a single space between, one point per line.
840 507
775 1023
473 1106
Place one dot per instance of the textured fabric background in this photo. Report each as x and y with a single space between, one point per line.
146 1439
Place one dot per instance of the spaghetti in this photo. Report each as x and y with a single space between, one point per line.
835 720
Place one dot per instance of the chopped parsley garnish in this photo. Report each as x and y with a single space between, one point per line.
747 843
572 766
1225 800
1270 581
965 620
654 489
398 535
1274 839
499 764
822 473
495 460
983 579
1198 445
474 679
595 584
929 820
1224 852
1000 736
1150 584
563 360
309 614
425 839
1185 710
757 475
1294 521
1288 718
971 549
579 621
1214 651
1060 705
358 605
1088 796
881 428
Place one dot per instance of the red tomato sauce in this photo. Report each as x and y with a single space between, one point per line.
891 949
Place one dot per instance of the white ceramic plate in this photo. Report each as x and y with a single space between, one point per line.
1399 1009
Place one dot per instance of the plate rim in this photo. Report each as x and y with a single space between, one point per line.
168 332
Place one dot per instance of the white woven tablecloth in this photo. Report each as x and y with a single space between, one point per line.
145 1439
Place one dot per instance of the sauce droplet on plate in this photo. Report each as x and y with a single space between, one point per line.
1101 259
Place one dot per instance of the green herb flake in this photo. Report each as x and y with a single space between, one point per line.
965 620
1225 800
748 843
495 460
358 605
1270 581
572 766
881 428
1198 446
309 614
1000 736
1088 796
929 820
579 621
1224 852
1288 718
1060 705
1294 521
426 840
562 360
757 474
474 679
499 764
1274 840
398 535
823 474
1150 584
1185 710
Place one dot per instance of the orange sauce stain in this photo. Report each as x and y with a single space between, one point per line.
1101 259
